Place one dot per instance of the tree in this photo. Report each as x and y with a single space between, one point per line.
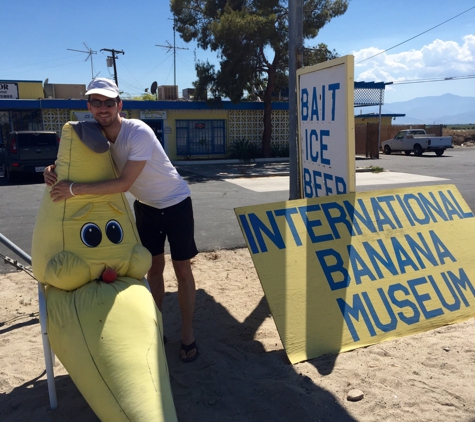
145 97
206 80
251 39
318 54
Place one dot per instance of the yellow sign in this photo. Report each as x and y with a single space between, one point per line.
346 271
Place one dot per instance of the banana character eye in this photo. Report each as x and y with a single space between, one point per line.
114 231
91 235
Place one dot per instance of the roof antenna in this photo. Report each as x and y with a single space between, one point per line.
89 55
174 48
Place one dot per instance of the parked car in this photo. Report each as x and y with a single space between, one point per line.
29 152
417 140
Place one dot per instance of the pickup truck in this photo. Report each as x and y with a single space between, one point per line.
417 140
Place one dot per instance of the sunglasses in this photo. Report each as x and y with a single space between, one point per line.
107 103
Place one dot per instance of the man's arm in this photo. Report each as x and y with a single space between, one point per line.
63 189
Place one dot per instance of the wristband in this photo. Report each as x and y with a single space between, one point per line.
71 189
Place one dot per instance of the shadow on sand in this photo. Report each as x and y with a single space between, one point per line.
233 371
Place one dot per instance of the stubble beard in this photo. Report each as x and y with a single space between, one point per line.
107 120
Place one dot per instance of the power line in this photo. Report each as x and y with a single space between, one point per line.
447 78
430 29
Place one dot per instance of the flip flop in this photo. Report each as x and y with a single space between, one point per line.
186 349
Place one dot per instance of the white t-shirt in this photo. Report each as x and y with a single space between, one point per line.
159 184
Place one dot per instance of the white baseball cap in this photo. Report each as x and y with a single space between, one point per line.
103 86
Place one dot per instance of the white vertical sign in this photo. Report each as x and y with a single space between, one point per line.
326 128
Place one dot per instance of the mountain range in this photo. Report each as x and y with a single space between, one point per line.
442 109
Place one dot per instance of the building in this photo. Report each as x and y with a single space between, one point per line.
186 129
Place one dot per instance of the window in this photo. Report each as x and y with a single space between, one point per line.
200 137
27 120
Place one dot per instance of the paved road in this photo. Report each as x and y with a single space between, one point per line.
218 188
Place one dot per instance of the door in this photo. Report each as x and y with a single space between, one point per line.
157 126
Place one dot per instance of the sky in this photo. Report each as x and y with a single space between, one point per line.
411 41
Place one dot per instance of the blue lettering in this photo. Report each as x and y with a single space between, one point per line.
324 147
354 311
304 104
313 180
409 320
307 184
323 102
461 282
440 248
248 233
333 220
337 267
421 298
450 208
340 185
287 213
456 304
359 267
317 186
310 224
406 212
314 105
356 215
333 88
415 248
380 216
420 220
313 136
465 214
392 324
386 261
402 257
387 200
274 236
429 206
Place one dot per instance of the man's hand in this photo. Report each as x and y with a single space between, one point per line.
50 176
61 191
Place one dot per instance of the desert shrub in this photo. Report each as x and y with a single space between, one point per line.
245 150
460 136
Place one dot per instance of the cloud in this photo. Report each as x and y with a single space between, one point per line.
439 59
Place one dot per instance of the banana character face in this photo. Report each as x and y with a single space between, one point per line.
76 240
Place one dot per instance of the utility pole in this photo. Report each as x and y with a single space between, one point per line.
174 47
114 52
295 62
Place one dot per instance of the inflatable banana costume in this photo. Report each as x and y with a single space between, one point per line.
108 335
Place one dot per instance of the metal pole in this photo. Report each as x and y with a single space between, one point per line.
379 122
115 70
174 55
295 62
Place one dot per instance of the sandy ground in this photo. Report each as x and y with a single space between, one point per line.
242 373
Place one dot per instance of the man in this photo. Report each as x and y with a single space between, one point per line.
163 207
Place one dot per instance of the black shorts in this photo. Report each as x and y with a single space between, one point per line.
175 223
